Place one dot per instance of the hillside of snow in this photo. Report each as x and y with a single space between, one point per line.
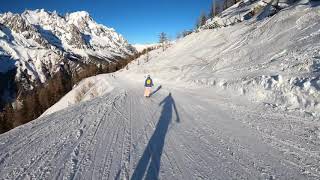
274 61
235 102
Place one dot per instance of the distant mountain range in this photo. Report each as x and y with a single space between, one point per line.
35 44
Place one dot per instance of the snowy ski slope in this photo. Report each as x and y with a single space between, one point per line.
226 109
182 135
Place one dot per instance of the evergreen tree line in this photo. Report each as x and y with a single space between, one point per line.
217 6
31 104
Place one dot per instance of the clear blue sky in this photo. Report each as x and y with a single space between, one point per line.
139 21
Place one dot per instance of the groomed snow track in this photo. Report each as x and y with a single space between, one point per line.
175 134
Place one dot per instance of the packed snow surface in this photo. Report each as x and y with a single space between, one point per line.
193 133
239 102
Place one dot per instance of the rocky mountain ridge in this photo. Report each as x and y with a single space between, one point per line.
36 44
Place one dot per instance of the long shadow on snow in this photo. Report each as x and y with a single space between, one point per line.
152 153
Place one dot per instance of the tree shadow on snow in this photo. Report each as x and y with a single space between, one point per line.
152 153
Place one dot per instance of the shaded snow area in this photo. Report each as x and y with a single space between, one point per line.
239 102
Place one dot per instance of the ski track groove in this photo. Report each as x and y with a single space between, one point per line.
255 165
127 140
115 167
107 169
280 144
75 170
121 164
209 147
101 147
62 145
108 160
37 124
47 163
37 158
74 145
224 149
108 147
130 141
25 142
90 145
85 156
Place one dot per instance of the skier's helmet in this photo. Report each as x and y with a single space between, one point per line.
148 75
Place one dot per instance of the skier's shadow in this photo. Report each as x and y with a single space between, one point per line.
152 153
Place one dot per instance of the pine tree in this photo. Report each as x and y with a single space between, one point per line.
202 20
213 9
163 39
6 118
225 4
43 96
217 9
147 56
229 3
100 69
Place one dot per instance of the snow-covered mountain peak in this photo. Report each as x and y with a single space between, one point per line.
41 16
75 30
82 20
39 40
79 15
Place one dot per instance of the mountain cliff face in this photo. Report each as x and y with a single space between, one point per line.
34 45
